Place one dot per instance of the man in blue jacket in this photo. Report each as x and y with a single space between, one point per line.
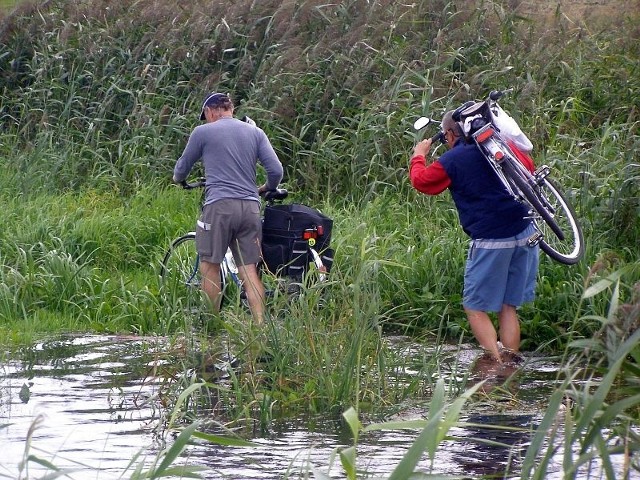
501 268
230 150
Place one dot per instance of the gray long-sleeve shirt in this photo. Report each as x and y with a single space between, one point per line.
230 149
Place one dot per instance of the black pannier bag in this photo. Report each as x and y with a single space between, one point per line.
284 249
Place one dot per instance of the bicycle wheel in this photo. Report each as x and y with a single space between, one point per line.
570 249
516 174
180 273
181 279
554 216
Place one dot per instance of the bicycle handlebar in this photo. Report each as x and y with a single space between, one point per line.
277 194
269 195
189 186
438 137
497 94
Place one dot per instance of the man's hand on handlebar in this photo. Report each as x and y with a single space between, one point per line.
422 148
272 195
199 183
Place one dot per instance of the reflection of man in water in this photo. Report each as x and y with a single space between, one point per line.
492 372
495 452
497 442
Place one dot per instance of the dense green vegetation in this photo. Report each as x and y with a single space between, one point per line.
97 100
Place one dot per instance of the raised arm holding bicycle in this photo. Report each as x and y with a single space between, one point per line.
507 207
501 267
230 150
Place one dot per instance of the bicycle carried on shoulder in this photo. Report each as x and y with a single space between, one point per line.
485 123
290 252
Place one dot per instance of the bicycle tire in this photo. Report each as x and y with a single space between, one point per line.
516 175
562 237
180 273
571 249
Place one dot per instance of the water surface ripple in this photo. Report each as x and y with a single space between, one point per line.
92 394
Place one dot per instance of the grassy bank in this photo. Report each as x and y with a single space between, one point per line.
98 100
88 261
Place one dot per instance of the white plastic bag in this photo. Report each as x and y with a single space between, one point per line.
510 130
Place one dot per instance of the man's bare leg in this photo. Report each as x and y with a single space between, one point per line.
484 331
509 327
254 288
211 283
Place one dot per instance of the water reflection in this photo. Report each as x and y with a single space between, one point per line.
497 443
88 396
95 395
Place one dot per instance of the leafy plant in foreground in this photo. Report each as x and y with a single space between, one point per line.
589 423
440 418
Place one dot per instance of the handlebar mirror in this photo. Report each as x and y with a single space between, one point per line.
422 122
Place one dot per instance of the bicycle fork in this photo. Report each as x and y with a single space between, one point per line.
310 235
304 253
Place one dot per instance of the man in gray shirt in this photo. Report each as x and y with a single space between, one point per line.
230 150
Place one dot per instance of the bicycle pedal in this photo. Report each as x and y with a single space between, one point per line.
541 173
535 239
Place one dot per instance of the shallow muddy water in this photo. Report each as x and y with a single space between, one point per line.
92 402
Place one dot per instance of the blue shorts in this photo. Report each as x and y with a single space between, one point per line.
501 271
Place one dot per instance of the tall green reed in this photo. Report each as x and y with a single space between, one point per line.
334 113
589 418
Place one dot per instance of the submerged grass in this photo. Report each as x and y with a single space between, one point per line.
588 426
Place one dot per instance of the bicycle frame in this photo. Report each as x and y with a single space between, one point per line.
486 124
496 151
229 269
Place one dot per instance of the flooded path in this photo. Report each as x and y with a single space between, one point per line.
88 400
93 401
